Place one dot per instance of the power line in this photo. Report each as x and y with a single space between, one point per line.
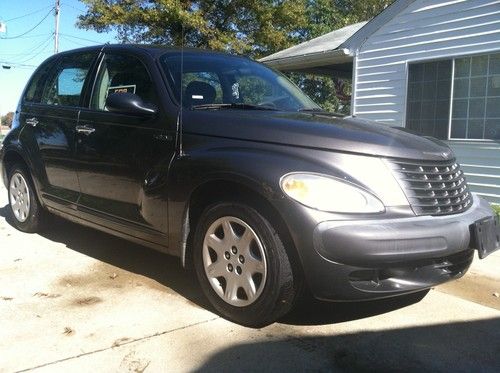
15 64
38 50
27 32
74 7
74 42
43 51
28 51
29 14
76 37
32 50
22 67
30 36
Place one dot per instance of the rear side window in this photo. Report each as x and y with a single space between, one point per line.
35 86
121 73
65 84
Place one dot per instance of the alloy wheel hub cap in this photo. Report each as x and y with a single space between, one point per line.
19 196
234 261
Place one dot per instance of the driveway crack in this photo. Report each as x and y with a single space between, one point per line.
121 344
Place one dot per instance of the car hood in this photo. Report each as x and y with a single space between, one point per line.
315 130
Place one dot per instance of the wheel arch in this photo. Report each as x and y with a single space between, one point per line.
10 158
13 156
231 191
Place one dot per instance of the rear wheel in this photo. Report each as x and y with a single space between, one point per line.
242 265
24 206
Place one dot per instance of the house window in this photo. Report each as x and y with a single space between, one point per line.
474 102
476 98
428 108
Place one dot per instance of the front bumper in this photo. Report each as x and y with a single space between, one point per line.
368 259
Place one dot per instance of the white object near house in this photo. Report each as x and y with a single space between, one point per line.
432 66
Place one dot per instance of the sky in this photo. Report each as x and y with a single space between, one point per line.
31 45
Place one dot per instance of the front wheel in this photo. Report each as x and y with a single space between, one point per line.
242 265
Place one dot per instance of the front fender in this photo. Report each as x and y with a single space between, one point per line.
256 166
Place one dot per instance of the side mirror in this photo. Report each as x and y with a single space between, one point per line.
129 103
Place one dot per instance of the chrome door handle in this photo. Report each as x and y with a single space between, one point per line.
32 121
86 130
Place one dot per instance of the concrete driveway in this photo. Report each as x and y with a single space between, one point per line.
74 299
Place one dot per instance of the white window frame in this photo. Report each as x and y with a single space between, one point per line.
452 92
407 77
444 58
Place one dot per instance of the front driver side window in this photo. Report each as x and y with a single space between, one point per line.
122 73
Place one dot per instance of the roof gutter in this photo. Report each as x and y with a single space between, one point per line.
311 60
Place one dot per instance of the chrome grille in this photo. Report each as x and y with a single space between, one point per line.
433 188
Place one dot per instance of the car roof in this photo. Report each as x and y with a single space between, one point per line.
153 50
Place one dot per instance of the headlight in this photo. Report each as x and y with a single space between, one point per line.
329 194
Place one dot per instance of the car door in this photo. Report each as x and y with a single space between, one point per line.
124 158
50 112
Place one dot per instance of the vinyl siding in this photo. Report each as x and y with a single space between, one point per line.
481 163
425 30
429 30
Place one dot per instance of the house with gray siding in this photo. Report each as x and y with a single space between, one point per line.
432 66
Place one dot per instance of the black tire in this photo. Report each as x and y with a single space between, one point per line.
280 287
34 219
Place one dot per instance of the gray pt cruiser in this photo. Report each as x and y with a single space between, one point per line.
226 164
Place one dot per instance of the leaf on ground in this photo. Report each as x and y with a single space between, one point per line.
68 331
88 301
46 295
120 341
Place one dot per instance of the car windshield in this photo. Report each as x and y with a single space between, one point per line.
215 82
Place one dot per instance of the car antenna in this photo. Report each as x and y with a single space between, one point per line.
181 109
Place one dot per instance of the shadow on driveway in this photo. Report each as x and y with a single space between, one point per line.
456 347
167 271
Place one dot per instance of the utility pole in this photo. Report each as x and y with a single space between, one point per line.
56 33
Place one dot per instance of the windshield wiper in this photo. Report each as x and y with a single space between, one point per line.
234 105
322 111
313 110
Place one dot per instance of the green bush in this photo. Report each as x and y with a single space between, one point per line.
496 208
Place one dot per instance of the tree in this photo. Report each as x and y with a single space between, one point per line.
7 119
327 15
333 93
251 27
255 28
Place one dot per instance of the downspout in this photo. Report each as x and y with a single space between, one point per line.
353 82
